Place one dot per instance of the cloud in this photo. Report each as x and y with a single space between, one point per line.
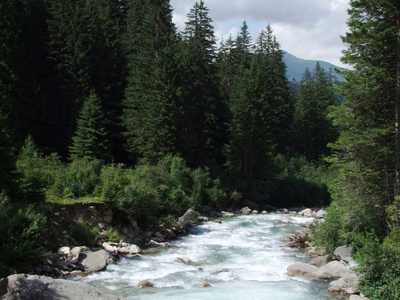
309 29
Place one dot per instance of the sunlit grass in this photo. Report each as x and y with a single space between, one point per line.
70 201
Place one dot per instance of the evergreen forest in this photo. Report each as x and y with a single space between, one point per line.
105 100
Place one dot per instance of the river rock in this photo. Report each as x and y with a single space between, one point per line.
202 219
94 261
186 261
320 260
205 285
129 250
226 214
109 248
245 210
344 253
358 297
220 271
345 285
255 212
185 219
331 271
320 214
289 237
28 287
264 212
301 269
306 212
153 243
64 251
145 284
74 253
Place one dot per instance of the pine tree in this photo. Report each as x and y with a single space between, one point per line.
70 76
150 108
203 134
91 139
364 155
277 94
313 131
104 26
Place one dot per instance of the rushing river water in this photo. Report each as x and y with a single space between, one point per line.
248 250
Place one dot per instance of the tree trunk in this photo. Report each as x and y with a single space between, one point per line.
397 187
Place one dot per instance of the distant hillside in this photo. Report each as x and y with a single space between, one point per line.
296 66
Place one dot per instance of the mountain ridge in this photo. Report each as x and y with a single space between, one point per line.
296 66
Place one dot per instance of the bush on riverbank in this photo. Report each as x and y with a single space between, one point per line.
21 229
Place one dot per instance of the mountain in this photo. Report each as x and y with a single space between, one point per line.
296 66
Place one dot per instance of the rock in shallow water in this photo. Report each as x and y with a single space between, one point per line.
28 287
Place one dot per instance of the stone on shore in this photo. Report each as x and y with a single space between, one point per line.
306 212
94 261
320 261
331 271
28 287
344 253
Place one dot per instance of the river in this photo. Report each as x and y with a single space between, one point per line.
242 258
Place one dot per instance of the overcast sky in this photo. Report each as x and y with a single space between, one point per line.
308 29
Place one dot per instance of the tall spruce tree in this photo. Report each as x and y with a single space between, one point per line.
313 130
68 55
203 132
91 139
150 112
277 93
364 155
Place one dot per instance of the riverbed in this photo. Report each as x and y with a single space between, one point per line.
242 258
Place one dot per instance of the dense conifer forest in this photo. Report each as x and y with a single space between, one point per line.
107 100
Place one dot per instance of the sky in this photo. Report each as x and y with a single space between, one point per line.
308 29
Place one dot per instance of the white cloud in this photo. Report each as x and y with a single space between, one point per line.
309 29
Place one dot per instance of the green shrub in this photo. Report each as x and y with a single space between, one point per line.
141 199
83 233
82 176
298 181
379 265
207 191
21 230
328 233
112 235
36 171
113 179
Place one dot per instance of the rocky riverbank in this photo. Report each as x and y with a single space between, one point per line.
72 261
338 268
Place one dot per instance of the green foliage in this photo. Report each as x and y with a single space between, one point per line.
312 128
91 136
84 233
298 181
113 179
169 188
141 199
112 235
328 233
379 265
37 172
81 177
21 230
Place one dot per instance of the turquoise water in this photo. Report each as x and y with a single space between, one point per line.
248 250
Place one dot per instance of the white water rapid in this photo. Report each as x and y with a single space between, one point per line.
242 258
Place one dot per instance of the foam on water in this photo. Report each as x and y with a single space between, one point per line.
242 258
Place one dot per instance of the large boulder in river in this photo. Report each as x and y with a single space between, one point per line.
301 269
94 261
30 287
